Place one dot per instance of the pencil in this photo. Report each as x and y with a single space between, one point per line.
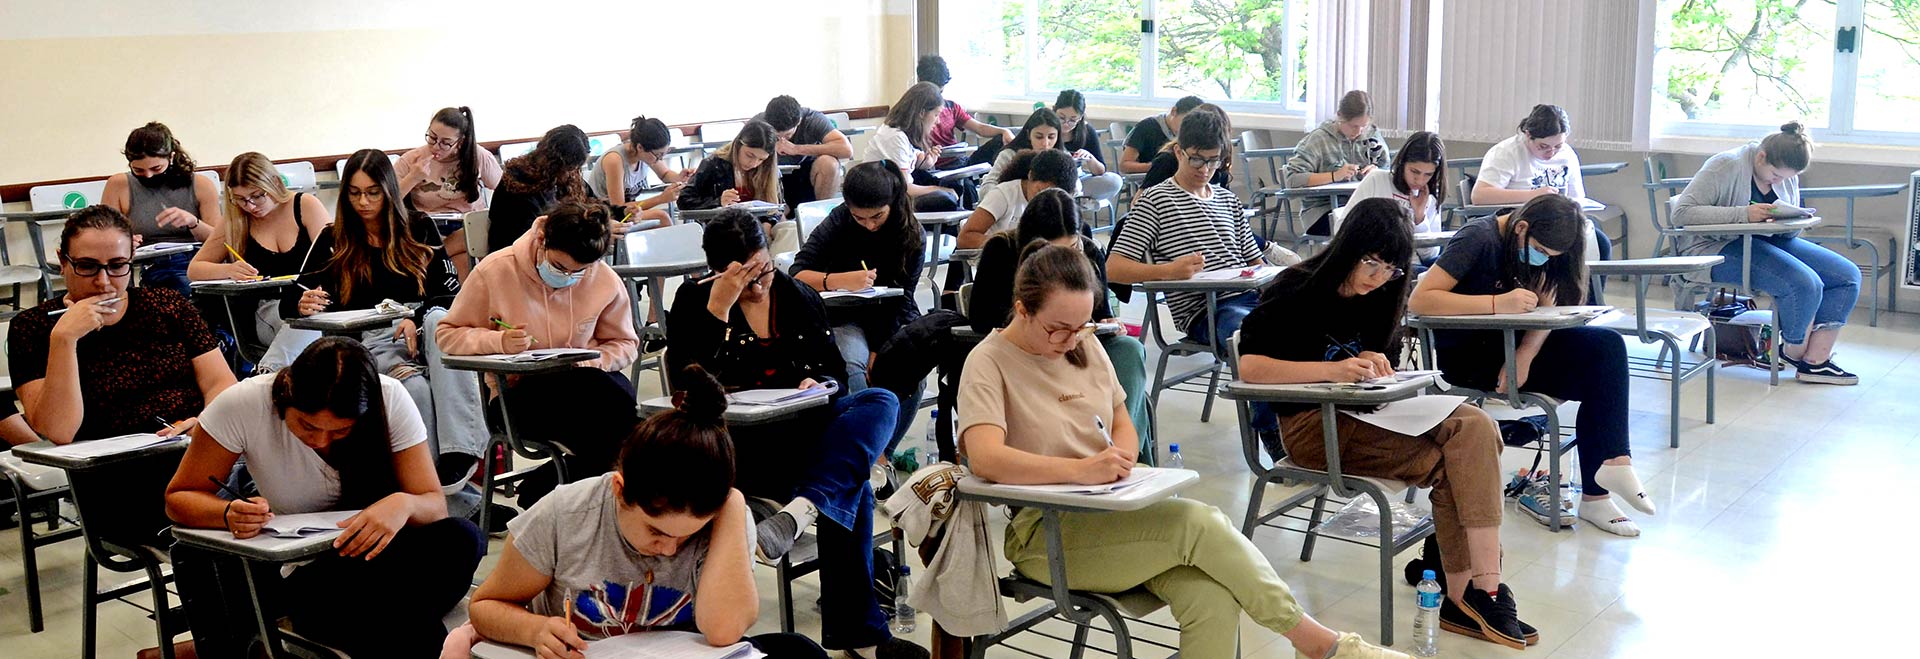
163 421
505 326
236 255
223 488
863 265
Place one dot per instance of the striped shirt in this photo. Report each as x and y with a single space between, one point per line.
1166 222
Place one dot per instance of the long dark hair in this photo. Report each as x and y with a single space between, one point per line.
1046 268
1376 228
1040 117
353 251
1084 136
337 375
1050 215
877 184
732 236
461 119
155 140
908 114
1557 223
554 163
1424 146
648 134
681 460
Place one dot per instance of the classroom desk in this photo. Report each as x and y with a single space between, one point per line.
162 250
1745 232
744 415
227 291
258 550
704 214
1601 168
1335 193
497 370
1666 327
1151 326
350 327
653 256
122 534
1463 163
935 223
1051 506
881 293
1509 326
932 220
1851 193
1332 479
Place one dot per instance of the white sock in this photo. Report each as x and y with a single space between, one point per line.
869 652
1624 483
1607 517
803 512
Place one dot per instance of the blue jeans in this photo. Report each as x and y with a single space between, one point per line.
1228 315
852 342
836 482
167 272
1813 287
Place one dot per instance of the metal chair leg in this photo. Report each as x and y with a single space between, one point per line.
156 582
89 601
1319 509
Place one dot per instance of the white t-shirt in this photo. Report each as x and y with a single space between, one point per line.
291 475
889 143
1005 202
1511 166
1379 184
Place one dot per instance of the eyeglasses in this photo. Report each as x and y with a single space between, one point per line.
91 268
434 140
1375 266
1197 162
1065 121
254 200
1060 336
369 193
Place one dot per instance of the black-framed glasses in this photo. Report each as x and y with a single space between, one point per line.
92 268
1376 265
435 140
1197 162
254 200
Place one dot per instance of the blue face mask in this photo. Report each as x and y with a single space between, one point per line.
1535 257
554 278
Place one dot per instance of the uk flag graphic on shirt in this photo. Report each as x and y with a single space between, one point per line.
612 609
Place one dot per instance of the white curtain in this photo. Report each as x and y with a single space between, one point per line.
1381 46
1498 58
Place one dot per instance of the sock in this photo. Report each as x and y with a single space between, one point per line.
802 511
1607 517
1624 483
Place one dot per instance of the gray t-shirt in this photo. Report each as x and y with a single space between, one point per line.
572 536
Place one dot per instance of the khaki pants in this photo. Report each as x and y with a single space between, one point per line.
1185 552
1459 459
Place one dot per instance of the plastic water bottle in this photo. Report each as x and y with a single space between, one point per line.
902 611
930 449
1426 621
1173 457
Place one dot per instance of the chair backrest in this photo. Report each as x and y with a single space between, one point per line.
1660 193
515 150
298 175
839 120
679 243
716 132
1116 142
66 195
477 223
1466 191
598 144
340 167
211 176
1255 180
966 296
812 213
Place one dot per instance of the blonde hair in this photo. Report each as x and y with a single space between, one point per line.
253 170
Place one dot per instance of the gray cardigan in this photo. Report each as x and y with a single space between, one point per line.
1720 194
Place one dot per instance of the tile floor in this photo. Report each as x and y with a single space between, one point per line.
1782 499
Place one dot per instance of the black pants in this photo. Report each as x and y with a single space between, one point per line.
587 411
796 187
787 646
402 594
1587 364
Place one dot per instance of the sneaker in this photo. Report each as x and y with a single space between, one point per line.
1270 440
1526 631
1351 646
775 536
893 648
1534 502
1486 617
1822 373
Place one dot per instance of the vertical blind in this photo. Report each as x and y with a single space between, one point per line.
1500 57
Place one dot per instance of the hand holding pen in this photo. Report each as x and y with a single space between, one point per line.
244 516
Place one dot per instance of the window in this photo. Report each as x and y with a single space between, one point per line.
1151 51
1847 68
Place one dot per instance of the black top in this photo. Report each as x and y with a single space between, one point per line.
511 214
840 244
1147 138
130 371
714 177
1293 325
990 305
1768 197
440 285
813 128
1165 164
1472 257
801 346
1084 137
275 264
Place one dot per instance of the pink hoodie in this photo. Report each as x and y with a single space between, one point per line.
594 313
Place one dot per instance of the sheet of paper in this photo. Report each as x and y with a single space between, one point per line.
1570 310
94 448
1139 475
1589 205
270 281
777 396
970 170
348 316
1412 416
1237 273
756 204
1401 376
872 292
543 354
301 525
666 645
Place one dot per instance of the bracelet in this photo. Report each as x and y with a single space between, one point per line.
1493 304
223 517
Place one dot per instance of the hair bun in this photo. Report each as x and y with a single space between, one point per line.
700 396
1792 128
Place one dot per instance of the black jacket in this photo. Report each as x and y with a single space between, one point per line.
840 244
441 283
990 305
801 335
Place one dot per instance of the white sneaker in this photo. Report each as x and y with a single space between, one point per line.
1351 646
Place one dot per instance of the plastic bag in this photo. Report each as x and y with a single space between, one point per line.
1360 519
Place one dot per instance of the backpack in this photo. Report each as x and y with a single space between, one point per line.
1736 343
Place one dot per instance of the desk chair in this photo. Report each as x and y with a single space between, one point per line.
340 168
36 494
1851 236
515 150
66 196
715 134
1183 347
1259 185
1326 486
1667 241
1117 144
477 223
298 176
44 266
676 249
1665 327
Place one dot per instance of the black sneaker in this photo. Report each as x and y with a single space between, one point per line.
894 648
1822 373
1526 631
1270 440
1485 617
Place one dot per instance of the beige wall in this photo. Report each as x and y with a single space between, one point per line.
231 76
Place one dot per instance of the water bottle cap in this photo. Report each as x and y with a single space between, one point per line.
934 414
1173 448
1424 574
906 570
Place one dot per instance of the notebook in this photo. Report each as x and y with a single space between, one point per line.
1238 273
95 448
1790 212
544 354
869 292
779 396
1138 476
306 525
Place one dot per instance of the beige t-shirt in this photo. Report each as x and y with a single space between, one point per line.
1046 406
